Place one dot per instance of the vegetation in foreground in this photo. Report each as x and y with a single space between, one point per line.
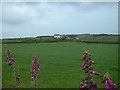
60 63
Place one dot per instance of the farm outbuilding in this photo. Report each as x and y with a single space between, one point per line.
81 37
57 36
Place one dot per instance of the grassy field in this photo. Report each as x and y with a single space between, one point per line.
60 63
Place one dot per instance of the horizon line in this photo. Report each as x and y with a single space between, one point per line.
60 34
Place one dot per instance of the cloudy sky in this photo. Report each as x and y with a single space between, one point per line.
48 18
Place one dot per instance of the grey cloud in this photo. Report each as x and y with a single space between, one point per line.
28 10
31 19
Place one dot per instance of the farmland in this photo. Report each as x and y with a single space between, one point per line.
106 39
60 63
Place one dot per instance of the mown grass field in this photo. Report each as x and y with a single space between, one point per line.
60 63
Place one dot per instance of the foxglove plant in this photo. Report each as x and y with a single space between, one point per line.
18 76
107 81
10 62
35 67
10 58
87 66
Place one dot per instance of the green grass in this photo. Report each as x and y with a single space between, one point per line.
60 63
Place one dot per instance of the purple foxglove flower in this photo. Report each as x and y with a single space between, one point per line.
35 75
84 58
114 85
110 82
95 85
107 77
83 64
38 69
83 79
9 63
93 62
107 86
103 80
96 73
81 85
83 68
37 64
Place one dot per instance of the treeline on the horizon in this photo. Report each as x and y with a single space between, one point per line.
70 35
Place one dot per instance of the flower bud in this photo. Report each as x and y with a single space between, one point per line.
83 58
83 64
83 68
93 62
96 73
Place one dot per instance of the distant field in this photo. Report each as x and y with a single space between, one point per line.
60 63
102 39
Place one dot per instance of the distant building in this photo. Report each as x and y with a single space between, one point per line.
57 36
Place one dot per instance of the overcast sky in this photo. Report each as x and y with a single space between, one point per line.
49 18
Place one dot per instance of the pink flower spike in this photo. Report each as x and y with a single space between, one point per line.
96 73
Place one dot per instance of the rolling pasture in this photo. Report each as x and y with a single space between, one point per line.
60 63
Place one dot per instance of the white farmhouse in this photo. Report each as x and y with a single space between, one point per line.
57 36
